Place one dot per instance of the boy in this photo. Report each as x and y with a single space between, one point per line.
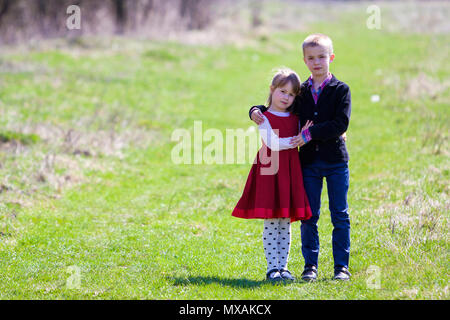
326 101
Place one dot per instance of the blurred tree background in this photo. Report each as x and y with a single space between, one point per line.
26 19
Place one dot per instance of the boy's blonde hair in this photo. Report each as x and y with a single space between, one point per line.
281 78
318 39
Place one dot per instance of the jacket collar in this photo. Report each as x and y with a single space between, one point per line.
333 82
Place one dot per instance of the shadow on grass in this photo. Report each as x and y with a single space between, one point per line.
237 282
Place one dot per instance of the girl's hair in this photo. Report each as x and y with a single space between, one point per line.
281 78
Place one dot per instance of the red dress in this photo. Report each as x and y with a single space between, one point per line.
274 187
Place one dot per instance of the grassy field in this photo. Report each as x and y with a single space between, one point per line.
93 207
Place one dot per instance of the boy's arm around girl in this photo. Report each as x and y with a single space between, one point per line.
331 116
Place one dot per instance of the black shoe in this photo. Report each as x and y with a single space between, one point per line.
341 273
286 275
309 273
273 275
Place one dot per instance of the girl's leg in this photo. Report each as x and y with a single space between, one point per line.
284 242
270 236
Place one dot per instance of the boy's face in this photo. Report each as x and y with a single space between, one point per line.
318 59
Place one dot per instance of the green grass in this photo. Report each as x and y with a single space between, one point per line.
26 139
136 226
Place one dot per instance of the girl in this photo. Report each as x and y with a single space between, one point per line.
274 189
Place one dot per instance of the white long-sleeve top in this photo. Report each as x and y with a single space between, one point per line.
271 140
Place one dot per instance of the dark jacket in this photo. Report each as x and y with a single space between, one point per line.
331 117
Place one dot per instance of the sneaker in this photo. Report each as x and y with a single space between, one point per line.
309 273
286 275
341 273
273 275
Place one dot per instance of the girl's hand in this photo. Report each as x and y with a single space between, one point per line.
344 136
256 116
297 141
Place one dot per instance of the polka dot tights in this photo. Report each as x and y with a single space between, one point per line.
277 242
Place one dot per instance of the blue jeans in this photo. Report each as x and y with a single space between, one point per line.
337 177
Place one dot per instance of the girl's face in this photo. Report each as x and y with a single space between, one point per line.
282 97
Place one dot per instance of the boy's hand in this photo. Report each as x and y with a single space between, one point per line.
308 124
256 116
344 136
297 141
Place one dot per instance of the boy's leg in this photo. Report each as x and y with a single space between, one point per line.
312 181
337 177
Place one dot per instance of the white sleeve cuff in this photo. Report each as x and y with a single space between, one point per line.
272 140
